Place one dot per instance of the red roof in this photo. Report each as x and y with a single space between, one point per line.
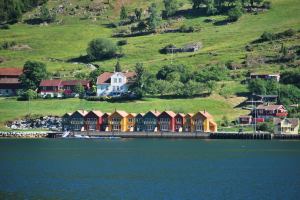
9 81
104 78
75 82
11 71
170 113
50 83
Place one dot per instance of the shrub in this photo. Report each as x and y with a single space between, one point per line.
27 95
48 96
186 29
96 98
267 4
101 49
122 42
7 45
4 26
234 14
267 36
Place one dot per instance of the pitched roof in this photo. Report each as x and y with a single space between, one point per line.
96 112
293 121
181 114
206 114
121 112
9 81
190 114
269 107
11 71
141 114
132 114
55 82
75 82
155 113
170 113
104 78
82 112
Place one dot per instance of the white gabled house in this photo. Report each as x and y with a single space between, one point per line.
114 84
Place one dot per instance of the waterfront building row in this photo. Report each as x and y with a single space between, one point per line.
152 121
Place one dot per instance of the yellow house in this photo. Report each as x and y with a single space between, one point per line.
118 121
202 121
286 125
130 122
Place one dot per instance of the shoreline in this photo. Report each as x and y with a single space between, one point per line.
158 135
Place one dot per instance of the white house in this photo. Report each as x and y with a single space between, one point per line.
114 84
286 125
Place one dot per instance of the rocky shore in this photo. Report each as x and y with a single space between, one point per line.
47 122
19 134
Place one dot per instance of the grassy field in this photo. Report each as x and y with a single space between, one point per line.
217 106
69 39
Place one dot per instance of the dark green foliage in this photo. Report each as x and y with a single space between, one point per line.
122 42
27 95
11 10
291 77
139 86
263 87
100 48
123 13
265 126
268 36
154 18
138 13
186 29
289 94
7 45
97 98
171 7
234 14
165 73
267 4
4 27
33 73
214 73
79 89
118 67
45 14
94 75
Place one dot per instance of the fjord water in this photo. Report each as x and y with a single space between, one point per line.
149 169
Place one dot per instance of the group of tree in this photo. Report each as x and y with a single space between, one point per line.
233 8
174 80
11 10
287 93
101 48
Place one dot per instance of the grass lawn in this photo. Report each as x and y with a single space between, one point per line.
11 109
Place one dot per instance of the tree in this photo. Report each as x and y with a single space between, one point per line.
153 19
79 89
28 95
210 86
163 87
123 13
234 13
138 13
94 75
257 86
33 73
140 82
171 7
45 14
118 67
197 3
191 88
101 49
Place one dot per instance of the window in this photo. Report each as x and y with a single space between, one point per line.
130 120
115 80
120 80
178 120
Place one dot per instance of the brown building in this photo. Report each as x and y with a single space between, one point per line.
9 81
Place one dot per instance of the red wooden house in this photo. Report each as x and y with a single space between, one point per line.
9 81
166 121
187 125
269 111
179 122
93 120
69 85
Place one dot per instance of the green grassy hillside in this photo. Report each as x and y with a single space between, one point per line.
56 43
69 38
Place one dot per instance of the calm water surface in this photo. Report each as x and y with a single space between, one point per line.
149 169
